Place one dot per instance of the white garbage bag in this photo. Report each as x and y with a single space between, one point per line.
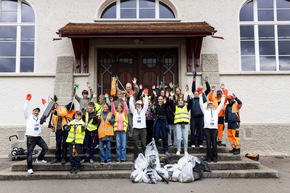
186 174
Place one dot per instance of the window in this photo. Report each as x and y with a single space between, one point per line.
137 9
17 32
149 60
265 35
125 60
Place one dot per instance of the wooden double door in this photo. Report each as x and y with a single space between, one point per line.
150 66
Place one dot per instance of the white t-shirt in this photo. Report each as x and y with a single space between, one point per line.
33 127
139 116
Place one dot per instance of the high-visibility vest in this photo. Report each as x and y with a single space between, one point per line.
105 128
125 119
90 126
76 134
113 87
181 115
98 109
62 113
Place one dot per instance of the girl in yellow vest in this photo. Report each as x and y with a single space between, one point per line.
105 133
75 140
120 128
181 122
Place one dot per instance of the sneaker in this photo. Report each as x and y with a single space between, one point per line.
102 163
30 171
63 161
91 161
219 143
185 153
40 161
178 153
237 151
233 150
118 161
214 160
83 161
109 162
201 146
77 170
72 170
193 146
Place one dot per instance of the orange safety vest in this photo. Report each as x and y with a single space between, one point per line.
216 103
105 128
113 87
64 114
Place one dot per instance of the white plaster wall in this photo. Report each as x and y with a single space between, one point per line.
13 96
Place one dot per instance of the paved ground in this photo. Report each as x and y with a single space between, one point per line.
280 185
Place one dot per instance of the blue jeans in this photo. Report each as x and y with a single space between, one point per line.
160 132
89 144
75 160
105 154
182 131
31 142
121 145
61 145
172 130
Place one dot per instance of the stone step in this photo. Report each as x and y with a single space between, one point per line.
245 164
7 174
171 149
129 156
262 172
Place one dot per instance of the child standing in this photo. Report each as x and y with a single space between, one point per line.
86 98
120 128
106 133
91 121
75 140
181 122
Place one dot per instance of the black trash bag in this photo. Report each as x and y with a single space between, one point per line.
172 159
200 168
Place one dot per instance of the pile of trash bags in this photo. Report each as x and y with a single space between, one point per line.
184 169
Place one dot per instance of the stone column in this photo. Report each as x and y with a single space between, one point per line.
210 69
63 85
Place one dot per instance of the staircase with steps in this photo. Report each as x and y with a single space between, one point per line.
228 166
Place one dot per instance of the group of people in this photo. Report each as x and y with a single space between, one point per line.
141 115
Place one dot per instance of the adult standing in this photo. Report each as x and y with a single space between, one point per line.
33 135
139 123
161 126
232 117
211 128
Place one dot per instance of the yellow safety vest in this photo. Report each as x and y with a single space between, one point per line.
98 109
90 126
76 135
125 119
105 128
181 115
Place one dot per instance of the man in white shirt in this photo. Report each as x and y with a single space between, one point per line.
139 123
33 135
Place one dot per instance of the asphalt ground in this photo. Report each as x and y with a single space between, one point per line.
206 185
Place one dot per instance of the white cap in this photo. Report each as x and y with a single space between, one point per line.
139 102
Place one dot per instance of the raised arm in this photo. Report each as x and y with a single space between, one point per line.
201 103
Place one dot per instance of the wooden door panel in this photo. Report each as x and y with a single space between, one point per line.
160 65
